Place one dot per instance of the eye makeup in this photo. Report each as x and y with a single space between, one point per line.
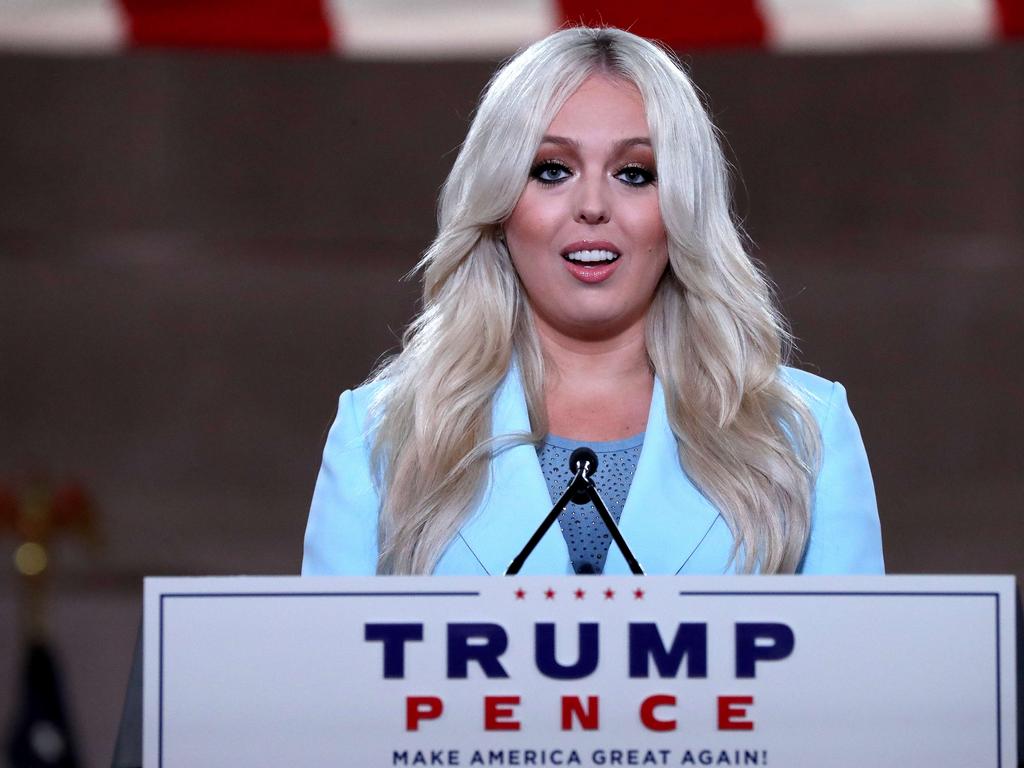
550 171
555 171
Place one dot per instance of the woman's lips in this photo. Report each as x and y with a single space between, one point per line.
598 273
591 261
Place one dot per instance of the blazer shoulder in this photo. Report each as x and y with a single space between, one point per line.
816 391
845 530
341 532
365 396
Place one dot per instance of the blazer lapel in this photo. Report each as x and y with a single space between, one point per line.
665 517
516 498
664 521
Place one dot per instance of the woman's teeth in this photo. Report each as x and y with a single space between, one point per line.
591 257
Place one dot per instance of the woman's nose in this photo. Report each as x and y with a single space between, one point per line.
591 203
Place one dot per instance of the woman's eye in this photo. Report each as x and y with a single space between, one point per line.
549 172
636 175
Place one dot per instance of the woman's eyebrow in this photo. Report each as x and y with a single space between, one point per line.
636 141
561 141
619 145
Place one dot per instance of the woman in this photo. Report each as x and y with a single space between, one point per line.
587 285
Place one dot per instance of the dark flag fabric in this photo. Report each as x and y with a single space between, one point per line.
40 735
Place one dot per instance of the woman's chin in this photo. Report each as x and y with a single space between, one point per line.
597 326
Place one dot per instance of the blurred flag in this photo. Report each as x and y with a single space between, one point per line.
40 736
467 28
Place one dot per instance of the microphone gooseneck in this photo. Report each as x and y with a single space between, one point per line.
581 489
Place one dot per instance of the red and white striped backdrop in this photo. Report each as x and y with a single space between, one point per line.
467 28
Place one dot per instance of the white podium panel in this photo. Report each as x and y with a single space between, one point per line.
589 671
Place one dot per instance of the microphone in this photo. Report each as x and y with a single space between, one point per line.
581 489
585 456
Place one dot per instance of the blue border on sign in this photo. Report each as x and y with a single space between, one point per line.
819 593
203 595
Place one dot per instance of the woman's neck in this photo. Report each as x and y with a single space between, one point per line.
596 389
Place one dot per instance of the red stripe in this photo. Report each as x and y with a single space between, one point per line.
1011 17
236 24
680 24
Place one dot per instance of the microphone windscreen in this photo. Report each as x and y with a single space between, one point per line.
581 455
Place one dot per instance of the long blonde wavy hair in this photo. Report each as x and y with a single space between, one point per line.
714 337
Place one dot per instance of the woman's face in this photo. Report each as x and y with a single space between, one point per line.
586 236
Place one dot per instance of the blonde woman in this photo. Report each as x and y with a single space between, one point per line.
587 285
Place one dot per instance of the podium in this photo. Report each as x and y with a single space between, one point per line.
786 671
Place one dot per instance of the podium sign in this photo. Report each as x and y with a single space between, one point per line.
587 671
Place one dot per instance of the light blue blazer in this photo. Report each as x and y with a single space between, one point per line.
670 526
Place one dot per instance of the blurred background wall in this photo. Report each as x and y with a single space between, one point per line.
200 249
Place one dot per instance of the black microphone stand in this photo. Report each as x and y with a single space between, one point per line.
581 488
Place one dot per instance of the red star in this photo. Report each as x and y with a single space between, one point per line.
579 594
609 593
520 593
638 594
549 594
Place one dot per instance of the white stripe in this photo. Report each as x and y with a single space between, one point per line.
67 26
853 24
440 29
